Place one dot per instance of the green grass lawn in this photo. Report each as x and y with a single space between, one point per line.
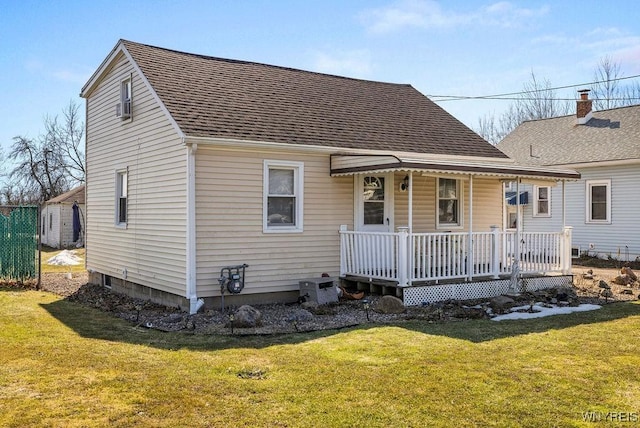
62 364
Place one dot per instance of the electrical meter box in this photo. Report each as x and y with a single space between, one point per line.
321 290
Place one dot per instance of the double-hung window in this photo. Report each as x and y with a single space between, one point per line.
449 202
121 198
598 201
542 201
282 196
123 110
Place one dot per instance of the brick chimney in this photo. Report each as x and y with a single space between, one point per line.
583 107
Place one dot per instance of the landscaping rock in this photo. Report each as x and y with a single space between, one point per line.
603 284
466 312
301 315
389 305
626 270
501 304
606 293
246 317
623 280
311 306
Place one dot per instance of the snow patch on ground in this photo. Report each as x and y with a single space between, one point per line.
540 311
65 258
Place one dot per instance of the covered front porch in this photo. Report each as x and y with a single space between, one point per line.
455 250
427 267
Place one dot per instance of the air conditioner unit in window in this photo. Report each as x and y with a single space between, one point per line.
123 110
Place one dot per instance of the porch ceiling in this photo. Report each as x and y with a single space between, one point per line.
350 164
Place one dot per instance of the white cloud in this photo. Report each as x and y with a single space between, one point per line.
353 63
72 76
76 76
428 14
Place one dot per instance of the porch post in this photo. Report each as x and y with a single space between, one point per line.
564 205
470 249
410 203
566 249
403 260
495 251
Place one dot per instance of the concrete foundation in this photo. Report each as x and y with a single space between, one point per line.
143 292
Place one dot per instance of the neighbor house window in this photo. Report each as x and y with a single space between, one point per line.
449 206
124 107
282 196
121 198
542 201
598 209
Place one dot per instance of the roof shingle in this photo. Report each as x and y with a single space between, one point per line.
609 136
222 98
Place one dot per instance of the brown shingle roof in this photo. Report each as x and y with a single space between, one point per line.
73 195
222 98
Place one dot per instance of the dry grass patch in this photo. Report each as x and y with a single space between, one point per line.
63 364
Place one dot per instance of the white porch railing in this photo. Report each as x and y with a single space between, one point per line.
407 258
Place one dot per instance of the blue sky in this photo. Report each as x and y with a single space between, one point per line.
49 49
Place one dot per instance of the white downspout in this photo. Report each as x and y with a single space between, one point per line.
192 294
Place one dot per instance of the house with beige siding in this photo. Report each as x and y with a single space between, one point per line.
602 207
202 168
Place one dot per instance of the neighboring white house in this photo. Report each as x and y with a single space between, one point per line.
58 227
603 206
196 164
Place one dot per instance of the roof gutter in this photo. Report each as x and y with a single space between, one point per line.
238 144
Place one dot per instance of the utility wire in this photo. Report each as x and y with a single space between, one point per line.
504 96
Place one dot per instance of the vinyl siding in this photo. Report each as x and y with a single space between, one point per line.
487 203
229 212
152 248
51 216
620 239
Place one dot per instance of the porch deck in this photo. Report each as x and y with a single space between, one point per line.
423 292
429 267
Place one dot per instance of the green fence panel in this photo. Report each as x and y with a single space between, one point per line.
19 244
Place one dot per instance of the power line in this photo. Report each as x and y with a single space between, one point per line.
505 95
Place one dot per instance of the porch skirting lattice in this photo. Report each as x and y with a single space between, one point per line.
424 294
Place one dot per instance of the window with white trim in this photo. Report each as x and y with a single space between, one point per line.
598 201
542 201
282 196
124 108
121 198
449 202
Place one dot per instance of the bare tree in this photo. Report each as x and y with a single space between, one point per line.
50 164
609 91
537 101
67 139
606 90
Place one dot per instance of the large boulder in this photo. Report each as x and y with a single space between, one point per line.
389 305
626 270
501 304
246 317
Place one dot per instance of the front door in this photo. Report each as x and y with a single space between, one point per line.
374 206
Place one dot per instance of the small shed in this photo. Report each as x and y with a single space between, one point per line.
62 219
